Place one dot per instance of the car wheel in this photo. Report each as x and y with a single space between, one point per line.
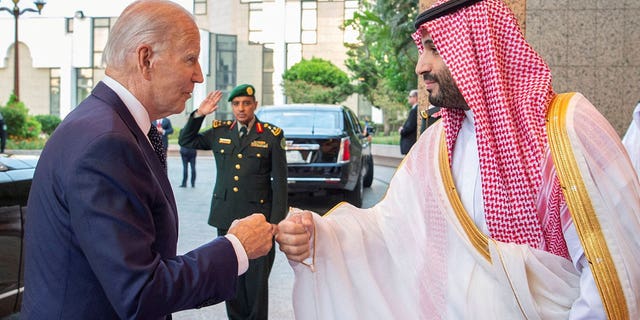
368 176
355 197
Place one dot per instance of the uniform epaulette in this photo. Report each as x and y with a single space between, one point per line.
221 123
424 114
275 130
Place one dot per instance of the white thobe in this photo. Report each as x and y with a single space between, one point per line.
411 257
465 168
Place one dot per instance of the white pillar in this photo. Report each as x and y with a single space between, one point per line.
279 52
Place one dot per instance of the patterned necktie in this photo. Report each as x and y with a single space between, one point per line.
243 132
156 142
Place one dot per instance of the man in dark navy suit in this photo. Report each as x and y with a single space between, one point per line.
408 131
164 127
102 231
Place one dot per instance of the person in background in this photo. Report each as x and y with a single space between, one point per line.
251 168
369 128
164 128
102 234
631 139
188 156
428 117
520 204
3 134
409 128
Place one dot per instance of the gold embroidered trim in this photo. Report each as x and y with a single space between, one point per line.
478 239
582 212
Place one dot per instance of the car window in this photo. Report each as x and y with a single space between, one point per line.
354 120
347 122
302 119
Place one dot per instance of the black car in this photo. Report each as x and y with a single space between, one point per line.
327 150
16 173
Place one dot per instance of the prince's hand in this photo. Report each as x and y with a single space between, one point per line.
294 234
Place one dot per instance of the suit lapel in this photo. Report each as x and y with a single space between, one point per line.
234 135
104 93
252 135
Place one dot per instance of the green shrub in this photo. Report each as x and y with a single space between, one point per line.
393 138
32 128
49 122
25 144
15 116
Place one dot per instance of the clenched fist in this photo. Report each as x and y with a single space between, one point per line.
294 234
255 234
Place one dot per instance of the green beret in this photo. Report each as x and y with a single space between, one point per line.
243 90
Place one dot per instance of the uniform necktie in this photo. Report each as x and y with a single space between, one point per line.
243 132
156 143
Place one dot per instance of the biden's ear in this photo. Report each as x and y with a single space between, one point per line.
144 54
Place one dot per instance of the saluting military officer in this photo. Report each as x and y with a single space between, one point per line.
251 177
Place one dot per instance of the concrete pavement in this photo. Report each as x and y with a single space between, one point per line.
193 209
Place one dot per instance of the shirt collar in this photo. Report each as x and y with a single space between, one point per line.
249 126
136 108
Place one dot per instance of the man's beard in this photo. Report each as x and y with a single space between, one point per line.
448 94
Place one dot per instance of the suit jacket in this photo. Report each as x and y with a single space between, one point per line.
408 135
251 175
428 118
168 129
103 227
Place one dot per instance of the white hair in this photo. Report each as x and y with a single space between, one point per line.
149 22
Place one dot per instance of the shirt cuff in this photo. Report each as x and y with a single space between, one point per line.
243 260
197 115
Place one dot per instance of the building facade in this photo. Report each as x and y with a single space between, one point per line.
591 47
242 41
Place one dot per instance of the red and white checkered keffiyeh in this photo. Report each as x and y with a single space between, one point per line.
507 85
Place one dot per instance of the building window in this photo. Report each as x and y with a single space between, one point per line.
84 83
309 22
267 75
54 91
350 33
256 21
101 28
200 7
226 60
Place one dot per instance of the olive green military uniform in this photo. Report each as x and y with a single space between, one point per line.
245 168
251 178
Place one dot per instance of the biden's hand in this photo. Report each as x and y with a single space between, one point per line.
255 234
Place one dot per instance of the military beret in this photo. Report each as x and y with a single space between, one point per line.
243 90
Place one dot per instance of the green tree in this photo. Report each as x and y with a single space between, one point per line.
316 81
384 59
